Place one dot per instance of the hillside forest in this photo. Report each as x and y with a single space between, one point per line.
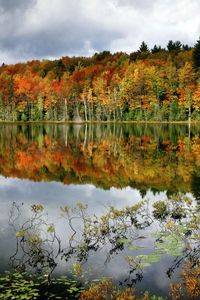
161 84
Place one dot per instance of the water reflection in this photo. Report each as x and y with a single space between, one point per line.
110 169
129 241
156 157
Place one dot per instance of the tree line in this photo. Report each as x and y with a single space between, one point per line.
161 84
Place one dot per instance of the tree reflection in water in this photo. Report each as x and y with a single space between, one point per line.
104 155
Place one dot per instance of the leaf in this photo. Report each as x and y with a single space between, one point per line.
144 265
20 233
124 241
175 253
134 248
151 258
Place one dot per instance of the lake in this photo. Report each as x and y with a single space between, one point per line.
120 201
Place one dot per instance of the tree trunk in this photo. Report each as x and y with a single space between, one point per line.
85 108
85 136
189 111
77 117
66 117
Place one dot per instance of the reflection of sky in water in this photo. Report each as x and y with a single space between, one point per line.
54 195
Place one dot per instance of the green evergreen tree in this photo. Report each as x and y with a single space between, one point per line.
156 49
171 46
196 55
144 47
186 47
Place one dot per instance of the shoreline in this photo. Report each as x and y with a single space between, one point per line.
192 122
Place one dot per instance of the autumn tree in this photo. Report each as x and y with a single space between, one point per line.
145 85
186 87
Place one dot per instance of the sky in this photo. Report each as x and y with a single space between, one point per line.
38 29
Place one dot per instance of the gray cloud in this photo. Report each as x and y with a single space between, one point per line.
48 29
137 4
10 6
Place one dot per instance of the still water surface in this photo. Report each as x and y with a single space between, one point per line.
108 169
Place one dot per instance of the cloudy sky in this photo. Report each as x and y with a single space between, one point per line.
31 29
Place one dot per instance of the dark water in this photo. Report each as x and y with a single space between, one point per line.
110 169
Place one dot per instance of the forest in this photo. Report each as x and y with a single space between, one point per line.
161 84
